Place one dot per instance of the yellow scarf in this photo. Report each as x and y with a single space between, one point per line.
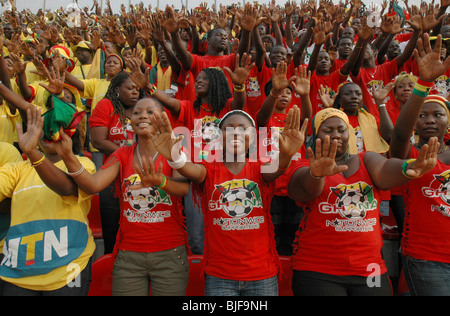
371 136
164 79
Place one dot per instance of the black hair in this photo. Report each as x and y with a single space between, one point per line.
113 96
218 91
341 38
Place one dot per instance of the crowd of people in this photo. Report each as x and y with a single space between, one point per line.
240 133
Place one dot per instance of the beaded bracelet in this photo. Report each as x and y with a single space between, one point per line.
37 163
405 166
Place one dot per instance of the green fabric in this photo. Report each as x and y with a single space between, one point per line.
59 116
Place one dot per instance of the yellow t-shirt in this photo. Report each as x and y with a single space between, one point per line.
79 70
8 153
94 89
8 131
49 242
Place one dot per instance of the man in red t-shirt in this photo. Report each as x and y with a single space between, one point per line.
217 39
368 75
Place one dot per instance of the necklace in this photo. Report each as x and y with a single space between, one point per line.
140 159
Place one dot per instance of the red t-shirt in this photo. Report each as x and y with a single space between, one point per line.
337 64
185 83
340 233
427 218
151 220
202 127
269 142
332 81
103 116
201 62
370 77
239 236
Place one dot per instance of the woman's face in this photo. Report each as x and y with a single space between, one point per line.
128 93
113 66
201 84
351 98
140 117
284 99
433 121
336 129
237 132
404 89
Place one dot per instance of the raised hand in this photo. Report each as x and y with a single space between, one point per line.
380 92
147 173
29 141
279 80
426 160
325 96
55 79
164 140
322 163
293 137
302 83
428 60
241 70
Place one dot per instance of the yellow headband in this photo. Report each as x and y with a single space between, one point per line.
325 114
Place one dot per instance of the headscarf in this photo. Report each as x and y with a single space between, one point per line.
325 114
439 100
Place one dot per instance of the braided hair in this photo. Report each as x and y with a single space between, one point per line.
113 96
218 91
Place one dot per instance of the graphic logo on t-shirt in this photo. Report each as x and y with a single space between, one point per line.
352 202
442 85
374 84
237 198
144 200
253 89
439 188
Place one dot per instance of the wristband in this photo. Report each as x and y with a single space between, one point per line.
163 183
427 84
419 93
152 91
179 163
405 167
37 163
382 105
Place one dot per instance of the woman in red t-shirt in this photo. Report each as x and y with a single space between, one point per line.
150 250
235 194
110 128
338 247
425 241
